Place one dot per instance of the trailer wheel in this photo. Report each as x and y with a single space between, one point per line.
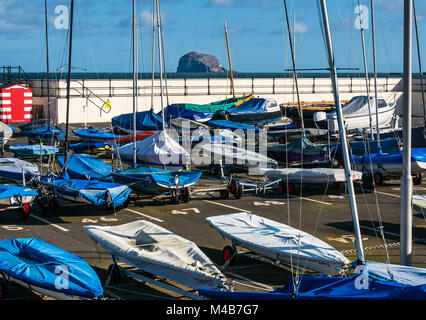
336 185
285 188
367 181
228 255
24 213
378 179
236 189
114 273
224 194
4 290
186 195
417 179
174 197
52 205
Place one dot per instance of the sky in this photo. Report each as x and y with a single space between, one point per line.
257 34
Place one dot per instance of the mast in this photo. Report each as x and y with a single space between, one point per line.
375 77
346 161
153 55
420 65
293 59
47 62
163 56
406 179
69 79
229 59
135 80
365 69
160 49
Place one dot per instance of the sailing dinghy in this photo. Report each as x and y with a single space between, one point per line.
151 248
32 150
49 270
17 169
84 166
278 241
16 197
94 135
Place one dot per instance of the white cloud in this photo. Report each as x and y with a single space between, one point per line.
226 3
300 28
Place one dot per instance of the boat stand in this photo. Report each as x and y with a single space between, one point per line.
114 271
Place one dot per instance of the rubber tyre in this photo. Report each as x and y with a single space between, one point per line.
52 205
228 254
367 181
417 179
24 213
378 179
115 274
235 189
186 195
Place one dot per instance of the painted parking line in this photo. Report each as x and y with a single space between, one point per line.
225 205
387 194
144 215
49 223
313 200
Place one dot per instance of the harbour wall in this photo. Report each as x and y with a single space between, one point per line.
90 99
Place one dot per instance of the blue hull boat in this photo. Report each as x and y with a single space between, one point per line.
45 133
94 135
16 169
49 270
32 150
17 198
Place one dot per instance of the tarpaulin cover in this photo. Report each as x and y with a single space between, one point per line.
356 106
151 248
94 134
145 121
27 150
44 133
174 111
84 166
98 193
159 149
407 275
278 241
90 146
36 262
359 148
156 180
35 124
6 131
417 154
226 124
7 191
255 105
328 288
14 168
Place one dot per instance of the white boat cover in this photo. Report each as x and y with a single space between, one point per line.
357 106
159 149
6 133
278 241
392 272
151 248
233 155
303 175
419 202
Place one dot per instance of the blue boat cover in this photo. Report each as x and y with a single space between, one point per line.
150 180
12 168
7 191
94 134
84 166
254 105
38 263
226 124
359 148
174 111
89 146
417 154
45 132
328 288
99 193
32 150
145 121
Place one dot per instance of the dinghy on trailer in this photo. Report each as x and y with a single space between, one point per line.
47 133
18 170
94 135
94 192
17 198
298 150
151 248
145 121
49 270
356 114
278 242
84 166
32 150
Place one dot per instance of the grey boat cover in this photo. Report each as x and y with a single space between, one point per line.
419 202
6 133
315 175
151 248
159 149
277 241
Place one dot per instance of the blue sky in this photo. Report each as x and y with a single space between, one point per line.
257 32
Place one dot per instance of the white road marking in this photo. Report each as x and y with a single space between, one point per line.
49 223
387 194
225 205
313 200
144 215
259 285
185 211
